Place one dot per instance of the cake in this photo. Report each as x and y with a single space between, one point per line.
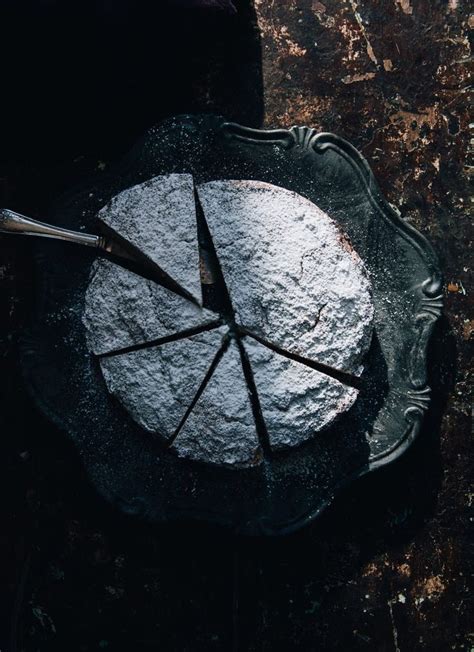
272 364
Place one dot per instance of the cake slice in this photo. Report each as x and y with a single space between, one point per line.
156 385
296 401
220 428
123 309
293 279
158 217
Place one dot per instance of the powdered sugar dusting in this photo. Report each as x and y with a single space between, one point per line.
159 217
221 427
291 277
123 309
294 282
157 385
296 401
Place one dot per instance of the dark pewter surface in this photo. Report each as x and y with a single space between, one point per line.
290 488
388 566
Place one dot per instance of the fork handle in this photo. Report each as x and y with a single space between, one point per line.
11 222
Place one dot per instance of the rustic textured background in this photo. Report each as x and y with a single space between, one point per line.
388 567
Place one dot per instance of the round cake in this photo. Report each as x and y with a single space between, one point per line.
268 353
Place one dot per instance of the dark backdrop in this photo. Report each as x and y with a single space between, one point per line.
387 568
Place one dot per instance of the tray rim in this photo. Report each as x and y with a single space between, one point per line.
430 310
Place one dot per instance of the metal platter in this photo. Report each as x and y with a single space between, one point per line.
291 488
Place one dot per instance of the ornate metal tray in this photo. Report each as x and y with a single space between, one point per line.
289 489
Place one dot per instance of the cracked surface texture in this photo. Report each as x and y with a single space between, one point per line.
221 428
292 277
159 217
296 401
123 309
157 385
